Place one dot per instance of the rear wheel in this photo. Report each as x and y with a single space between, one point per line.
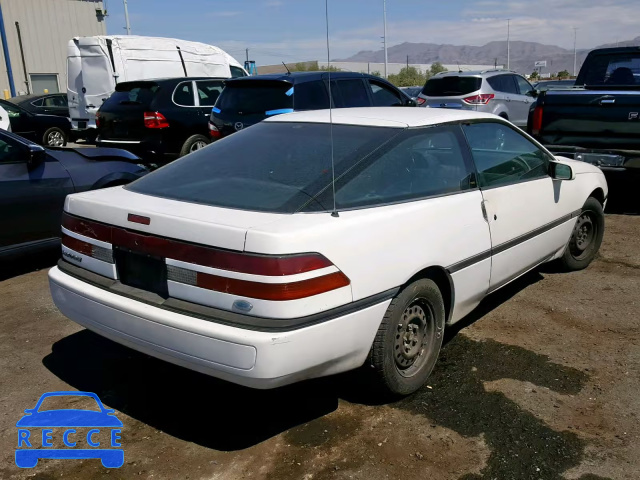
54 137
194 143
408 341
586 237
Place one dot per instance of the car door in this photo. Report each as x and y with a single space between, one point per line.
207 92
184 115
55 105
21 121
521 102
530 215
31 197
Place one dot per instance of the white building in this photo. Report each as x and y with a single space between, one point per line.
35 59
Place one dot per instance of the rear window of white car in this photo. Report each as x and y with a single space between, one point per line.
451 86
284 167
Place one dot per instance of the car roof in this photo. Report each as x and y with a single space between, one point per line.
172 79
299 77
474 73
384 116
32 96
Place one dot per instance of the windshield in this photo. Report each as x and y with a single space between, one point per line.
247 97
271 167
133 94
451 86
616 70
65 402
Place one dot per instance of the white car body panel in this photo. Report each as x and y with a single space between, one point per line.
379 249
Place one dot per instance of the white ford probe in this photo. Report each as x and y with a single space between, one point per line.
233 262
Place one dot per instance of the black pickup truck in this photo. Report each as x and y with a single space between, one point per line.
598 121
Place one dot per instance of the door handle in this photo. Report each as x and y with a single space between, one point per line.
607 101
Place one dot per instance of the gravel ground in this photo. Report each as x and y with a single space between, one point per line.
541 382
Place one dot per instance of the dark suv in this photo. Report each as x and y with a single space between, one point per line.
249 100
160 117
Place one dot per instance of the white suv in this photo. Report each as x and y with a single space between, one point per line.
501 92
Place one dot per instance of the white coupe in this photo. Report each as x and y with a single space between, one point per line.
259 261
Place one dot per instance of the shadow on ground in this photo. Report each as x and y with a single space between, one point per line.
219 415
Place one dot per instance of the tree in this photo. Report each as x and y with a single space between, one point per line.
408 77
376 73
534 75
563 74
436 67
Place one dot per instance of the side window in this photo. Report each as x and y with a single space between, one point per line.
353 93
237 72
383 96
38 103
209 91
503 83
183 94
310 96
423 162
12 110
524 86
504 156
10 151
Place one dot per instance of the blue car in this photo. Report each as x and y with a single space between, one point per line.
28 452
34 182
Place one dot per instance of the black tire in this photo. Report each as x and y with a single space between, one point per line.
194 143
586 237
54 137
408 341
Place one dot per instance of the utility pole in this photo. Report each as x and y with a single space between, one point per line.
407 62
508 45
386 60
575 54
126 17
247 55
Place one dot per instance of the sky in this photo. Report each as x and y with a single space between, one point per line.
295 30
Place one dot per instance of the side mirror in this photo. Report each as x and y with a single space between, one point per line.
36 156
533 93
561 171
411 103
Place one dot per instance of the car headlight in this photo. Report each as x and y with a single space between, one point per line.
601 159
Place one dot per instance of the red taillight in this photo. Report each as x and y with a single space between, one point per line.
97 231
420 101
86 248
213 131
481 99
155 120
536 123
97 120
273 291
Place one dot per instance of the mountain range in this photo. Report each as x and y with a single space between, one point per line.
523 54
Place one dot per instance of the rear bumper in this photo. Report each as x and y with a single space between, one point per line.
256 359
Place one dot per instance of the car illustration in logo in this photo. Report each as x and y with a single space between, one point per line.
40 428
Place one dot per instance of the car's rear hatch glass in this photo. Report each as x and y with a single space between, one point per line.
451 86
278 167
122 114
611 71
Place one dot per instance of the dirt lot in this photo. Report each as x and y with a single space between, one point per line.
541 382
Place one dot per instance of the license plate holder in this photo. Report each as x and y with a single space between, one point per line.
142 271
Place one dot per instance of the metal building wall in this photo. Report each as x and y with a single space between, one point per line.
46 27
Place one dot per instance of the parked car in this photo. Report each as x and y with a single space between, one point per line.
157 117
598 121
500 92
46 104
240 262
249 100
545 85
412 92
48 130
34 182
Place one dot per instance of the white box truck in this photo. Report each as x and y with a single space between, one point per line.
96 64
